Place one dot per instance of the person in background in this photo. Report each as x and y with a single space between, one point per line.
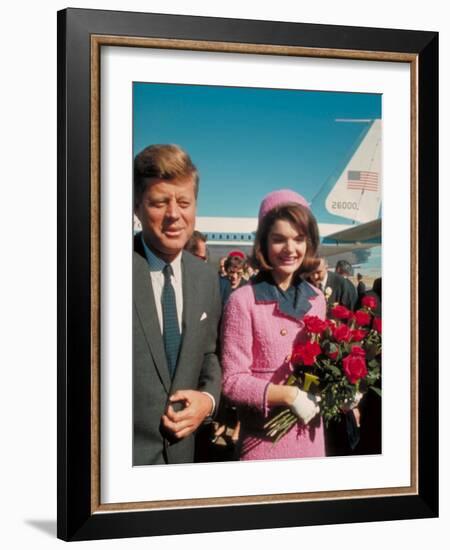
376 288
234 268
250 270
237 254
338 291
332 285
262 321
196 245
360 287
345 269
370 407
227 426
222 272
376 293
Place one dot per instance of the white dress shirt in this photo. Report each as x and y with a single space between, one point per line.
324 282
156 266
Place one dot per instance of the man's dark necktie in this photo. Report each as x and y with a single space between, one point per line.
171 329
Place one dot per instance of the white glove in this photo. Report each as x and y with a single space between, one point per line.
351 404
305 406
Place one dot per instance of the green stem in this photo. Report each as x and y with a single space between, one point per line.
284 432
283 427
276 418
286 422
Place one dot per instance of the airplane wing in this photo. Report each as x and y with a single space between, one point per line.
363 236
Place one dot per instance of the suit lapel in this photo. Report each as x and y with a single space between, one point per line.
145 305
331 282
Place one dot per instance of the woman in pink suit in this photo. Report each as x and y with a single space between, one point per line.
262 322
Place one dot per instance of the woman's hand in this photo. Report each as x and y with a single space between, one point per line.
305 406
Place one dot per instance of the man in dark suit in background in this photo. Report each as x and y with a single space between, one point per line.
334 286
375 292
340 436
345 269
361 286
177 307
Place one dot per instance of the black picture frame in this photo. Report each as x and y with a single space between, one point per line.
79 516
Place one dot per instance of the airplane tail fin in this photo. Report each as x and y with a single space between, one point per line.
356 195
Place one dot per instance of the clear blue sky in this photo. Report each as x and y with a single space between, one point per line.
247 142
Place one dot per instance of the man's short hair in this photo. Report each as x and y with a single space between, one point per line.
342 266
197 236
167 162
192 244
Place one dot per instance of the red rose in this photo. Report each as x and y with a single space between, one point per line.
306 353
354 365
358 334
314 325
362 318
332 351
376 325
340 312
356 350
369 301
342 333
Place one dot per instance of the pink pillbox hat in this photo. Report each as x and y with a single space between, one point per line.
277 198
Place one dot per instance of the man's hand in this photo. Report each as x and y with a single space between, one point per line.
351 404
353 407
197 406
357 414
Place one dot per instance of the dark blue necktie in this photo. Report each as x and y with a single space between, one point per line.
171 329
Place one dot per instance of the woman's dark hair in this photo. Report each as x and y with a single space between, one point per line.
304 222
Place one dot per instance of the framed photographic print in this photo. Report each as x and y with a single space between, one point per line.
347 118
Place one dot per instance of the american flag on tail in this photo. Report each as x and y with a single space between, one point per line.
362 180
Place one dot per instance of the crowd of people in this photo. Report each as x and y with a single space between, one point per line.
212 351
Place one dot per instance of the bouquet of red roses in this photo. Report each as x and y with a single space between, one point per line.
340 360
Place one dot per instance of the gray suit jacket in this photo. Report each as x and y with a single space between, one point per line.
198 366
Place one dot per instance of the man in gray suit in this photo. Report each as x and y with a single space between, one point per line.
177 307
